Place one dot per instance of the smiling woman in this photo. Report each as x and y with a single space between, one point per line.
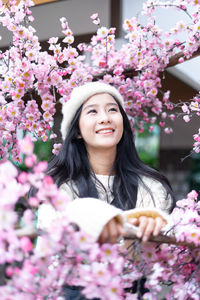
98 141
98 159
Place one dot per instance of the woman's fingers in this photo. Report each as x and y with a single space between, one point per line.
148 226
142 223
104 235
158 226
133 221
111 232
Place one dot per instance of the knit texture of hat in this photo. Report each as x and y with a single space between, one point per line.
79 95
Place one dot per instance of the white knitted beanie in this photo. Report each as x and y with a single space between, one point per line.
79 95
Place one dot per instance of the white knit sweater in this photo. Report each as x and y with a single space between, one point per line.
92 214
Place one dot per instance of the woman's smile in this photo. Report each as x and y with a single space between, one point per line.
105 131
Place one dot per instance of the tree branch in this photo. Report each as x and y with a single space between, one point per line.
173 61
29 231
130 233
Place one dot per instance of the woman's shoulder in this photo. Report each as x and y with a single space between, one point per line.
149 181
70 188
150 187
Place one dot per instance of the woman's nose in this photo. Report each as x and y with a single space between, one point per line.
103 117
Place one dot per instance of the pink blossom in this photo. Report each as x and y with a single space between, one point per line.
186 118
28 217
162 124
164 115
192 195
68 39
22 178
82 240
30 160
26 145
185 109
151 128
94 16
7 171
61 200
56 148
101 273
26 244
114 290
195 106
53 40
102 32
40 167
181 60
33 201
168 130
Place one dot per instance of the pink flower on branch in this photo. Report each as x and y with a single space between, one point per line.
95 18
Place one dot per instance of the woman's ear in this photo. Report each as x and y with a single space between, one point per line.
79 136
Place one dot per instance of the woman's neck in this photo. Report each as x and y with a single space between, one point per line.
102 161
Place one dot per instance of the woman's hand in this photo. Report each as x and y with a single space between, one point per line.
111 232
148 226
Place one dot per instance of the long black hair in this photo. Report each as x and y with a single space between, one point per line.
71 165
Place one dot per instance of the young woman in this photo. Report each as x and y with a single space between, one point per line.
98 159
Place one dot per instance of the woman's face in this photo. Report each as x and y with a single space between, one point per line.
101 122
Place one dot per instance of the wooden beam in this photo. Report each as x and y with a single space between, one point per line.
37 2
116 16
173 61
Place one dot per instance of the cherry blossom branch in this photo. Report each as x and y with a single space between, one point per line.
181 7
131 231
29 231
173 61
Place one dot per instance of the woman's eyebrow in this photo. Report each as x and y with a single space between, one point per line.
112 103
96 105
90 106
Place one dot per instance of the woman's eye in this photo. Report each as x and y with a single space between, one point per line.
92 111
113 109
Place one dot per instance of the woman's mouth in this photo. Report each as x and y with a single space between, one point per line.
105 131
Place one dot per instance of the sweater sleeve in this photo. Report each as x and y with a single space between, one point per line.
155 197
90 214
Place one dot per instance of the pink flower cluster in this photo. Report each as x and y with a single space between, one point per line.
64 255
68 256
32 79
190 109
174 266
